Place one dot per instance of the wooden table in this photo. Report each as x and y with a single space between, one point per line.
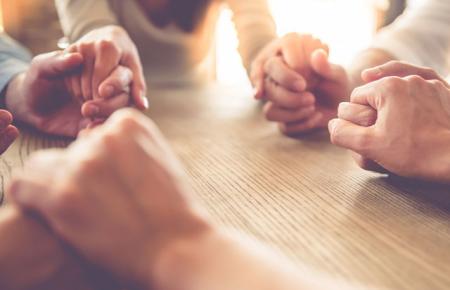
304 196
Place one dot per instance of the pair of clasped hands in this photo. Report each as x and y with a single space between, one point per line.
65 92
398 112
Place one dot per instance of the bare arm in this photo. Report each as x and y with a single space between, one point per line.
255 27
219 261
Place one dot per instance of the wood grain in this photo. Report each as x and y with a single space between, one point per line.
304 197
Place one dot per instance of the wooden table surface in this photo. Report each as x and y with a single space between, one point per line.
303 196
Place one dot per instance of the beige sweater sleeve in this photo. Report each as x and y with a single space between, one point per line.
420 36
255 27
78 17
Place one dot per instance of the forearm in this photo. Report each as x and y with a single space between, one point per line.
255 27
31 258
217 261
79 17
368 58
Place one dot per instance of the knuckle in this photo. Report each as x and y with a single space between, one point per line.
368 118
393 83
66 195
108 46
128 121
269 65
89 164
84 46
394 63
438 84
415 79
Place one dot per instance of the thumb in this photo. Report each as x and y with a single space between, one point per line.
138 85
351 136
57 64
324 68
399 69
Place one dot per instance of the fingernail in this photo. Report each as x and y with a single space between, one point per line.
92 110
145 102
108 91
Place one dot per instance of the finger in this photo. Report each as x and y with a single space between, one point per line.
302 127
348 135
257 74
117 82
368 94
287 99
399 69
284 76
104 108
316 44
73 83
88 70
7 137
358 114
57 64
293 50
138 87
322 66
258 81
68 86
278 114
107 58
5 119
368 164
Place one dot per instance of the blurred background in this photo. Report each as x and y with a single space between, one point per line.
346 25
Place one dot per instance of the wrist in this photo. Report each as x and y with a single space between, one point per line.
178 261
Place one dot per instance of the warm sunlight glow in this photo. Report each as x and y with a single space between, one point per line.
346 25
1 16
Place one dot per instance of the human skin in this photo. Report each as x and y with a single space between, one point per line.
134 193
8 132
403 112
104 49
42 98
32 258
302 87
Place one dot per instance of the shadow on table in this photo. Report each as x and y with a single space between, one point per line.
431 194
434 194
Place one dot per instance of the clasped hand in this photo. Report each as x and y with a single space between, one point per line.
301 86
